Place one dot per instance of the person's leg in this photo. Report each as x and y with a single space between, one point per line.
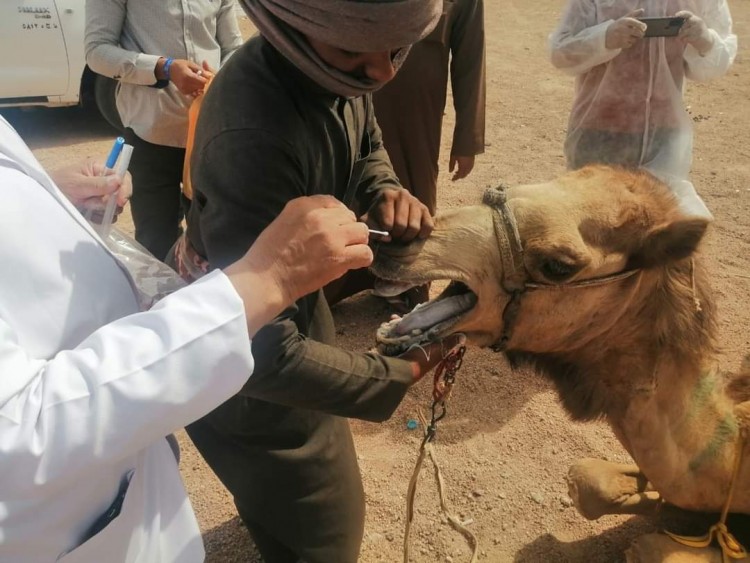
294 477
272 550
156 200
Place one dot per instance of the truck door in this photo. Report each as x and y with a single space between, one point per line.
35 60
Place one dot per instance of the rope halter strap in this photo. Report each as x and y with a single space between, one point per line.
515 279
511 252
509 239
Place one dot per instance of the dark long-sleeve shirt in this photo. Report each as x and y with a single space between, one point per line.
266 135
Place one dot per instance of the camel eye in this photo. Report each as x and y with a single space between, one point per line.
557 271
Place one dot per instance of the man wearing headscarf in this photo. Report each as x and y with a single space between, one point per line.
291 114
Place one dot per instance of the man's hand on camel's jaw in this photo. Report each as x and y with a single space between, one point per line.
424 358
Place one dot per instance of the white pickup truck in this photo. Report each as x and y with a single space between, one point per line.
43 60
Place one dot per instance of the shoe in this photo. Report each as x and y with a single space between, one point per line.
404 302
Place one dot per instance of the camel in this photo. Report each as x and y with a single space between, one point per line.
595 281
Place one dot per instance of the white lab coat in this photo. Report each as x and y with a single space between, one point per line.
628 106
89 386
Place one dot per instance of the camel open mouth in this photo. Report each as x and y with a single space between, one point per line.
427 322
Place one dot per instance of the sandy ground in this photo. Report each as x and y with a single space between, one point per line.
506 444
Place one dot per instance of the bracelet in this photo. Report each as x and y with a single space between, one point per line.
167 64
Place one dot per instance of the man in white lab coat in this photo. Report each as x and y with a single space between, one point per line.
90 386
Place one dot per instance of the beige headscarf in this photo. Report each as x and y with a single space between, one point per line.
355 25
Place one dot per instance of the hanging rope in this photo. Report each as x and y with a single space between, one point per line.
730 547
445 377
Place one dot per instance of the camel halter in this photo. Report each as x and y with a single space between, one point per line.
515 280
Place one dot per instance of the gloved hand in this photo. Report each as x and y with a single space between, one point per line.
624 32
695 32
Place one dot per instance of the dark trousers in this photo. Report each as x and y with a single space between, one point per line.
294 477
157 204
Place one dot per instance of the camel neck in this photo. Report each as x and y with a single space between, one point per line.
682 431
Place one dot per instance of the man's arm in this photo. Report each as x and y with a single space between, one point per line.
389 206
227 30
714 62
243 179
124 387
378 174
104 23
468 78
104 55
578 43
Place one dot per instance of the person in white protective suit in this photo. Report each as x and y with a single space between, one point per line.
90 386
628 108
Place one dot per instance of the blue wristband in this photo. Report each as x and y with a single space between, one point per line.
167 64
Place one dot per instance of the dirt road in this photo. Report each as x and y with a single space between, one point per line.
506 444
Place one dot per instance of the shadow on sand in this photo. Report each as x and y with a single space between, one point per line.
230 542
610 546
487 392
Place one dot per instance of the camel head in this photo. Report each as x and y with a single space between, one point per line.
591 243
591 279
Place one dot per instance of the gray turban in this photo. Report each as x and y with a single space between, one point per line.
363 26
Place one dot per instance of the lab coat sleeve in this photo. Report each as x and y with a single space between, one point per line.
577 45
720 57
104 21
227 30
127 385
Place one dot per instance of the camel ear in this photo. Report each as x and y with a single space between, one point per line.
670 242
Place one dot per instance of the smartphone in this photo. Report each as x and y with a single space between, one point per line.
662 27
